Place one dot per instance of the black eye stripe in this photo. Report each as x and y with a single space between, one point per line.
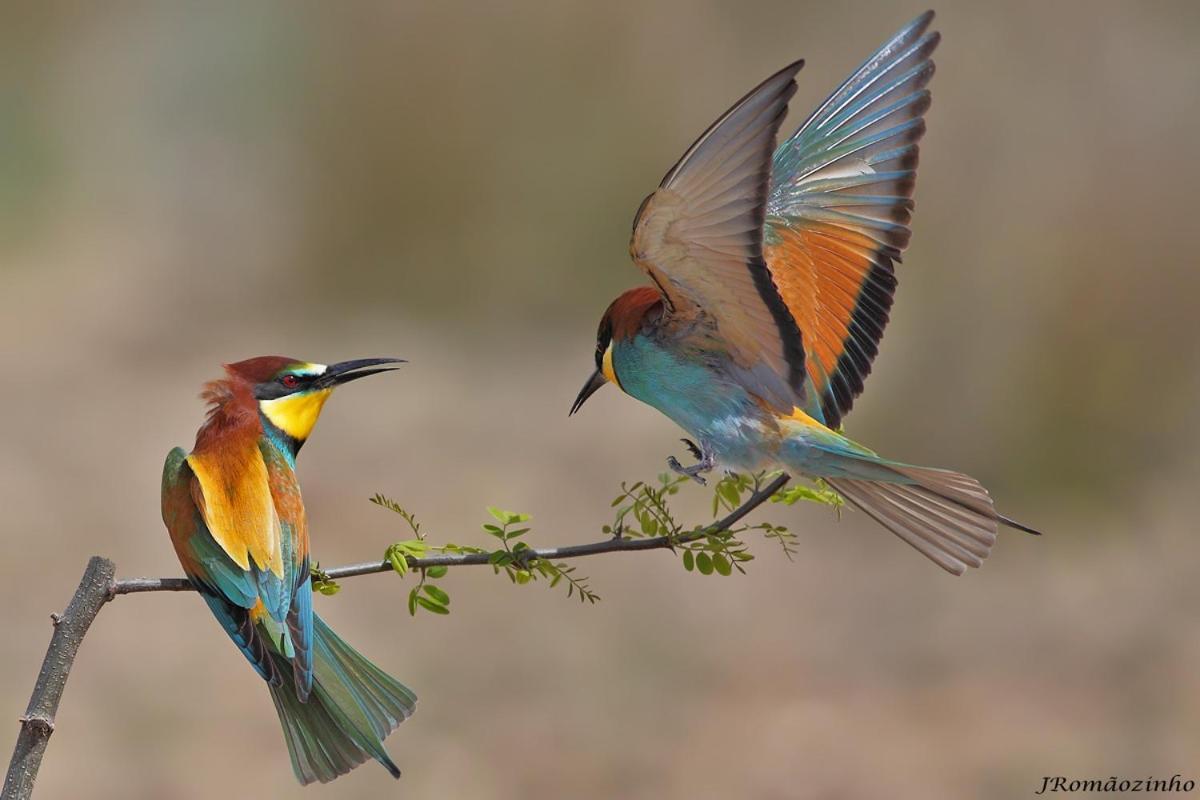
603 339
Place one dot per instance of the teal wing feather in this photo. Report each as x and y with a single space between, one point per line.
838 212
289 506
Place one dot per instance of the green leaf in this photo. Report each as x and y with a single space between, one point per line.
721 564
437 572
437 595
429 605
689 560
704 563
523 576
794 494
507 517
412 602
516 533
395 556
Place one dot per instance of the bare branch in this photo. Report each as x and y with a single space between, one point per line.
38 723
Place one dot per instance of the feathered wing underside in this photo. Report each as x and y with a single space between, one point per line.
838 212
699 237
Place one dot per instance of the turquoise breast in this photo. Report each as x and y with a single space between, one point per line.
716 411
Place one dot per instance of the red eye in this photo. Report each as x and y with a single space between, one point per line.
290 381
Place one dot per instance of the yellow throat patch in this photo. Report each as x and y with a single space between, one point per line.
296 414
606 366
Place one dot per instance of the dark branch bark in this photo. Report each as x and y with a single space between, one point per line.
98 587
38 723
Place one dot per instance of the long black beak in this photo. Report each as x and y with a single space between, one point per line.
595 382
346 371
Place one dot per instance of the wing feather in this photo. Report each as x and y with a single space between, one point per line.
838 213
699 237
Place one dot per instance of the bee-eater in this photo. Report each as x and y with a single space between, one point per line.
773 275
236 519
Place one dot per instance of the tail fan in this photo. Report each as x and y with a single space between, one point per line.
353 707
947 516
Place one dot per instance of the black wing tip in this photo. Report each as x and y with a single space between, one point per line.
922 21
792 68
1012 523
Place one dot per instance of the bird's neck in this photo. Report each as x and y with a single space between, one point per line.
235 415
282 441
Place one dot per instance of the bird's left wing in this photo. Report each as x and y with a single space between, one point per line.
261 611
230 591
699 237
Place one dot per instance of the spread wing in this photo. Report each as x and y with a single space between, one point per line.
699 237
838 213
261 611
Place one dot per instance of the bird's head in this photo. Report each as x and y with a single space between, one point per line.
291 393
627 315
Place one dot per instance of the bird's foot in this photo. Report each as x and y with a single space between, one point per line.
705 464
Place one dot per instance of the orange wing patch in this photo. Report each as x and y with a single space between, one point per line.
838 285
839 210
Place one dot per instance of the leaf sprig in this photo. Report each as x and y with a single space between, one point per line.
643 510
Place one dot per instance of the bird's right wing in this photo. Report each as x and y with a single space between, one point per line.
699 237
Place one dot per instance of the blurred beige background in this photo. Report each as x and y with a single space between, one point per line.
453 182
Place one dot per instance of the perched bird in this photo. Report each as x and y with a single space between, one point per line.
234 512
773 275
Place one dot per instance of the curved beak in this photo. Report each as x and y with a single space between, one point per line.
346 371
594 383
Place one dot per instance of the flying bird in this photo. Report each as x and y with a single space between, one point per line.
774 272
236 518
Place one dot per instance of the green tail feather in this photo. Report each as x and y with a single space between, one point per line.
353 707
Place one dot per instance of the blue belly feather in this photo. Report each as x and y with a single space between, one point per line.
716 411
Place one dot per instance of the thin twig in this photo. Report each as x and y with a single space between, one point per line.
612 545
98 587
